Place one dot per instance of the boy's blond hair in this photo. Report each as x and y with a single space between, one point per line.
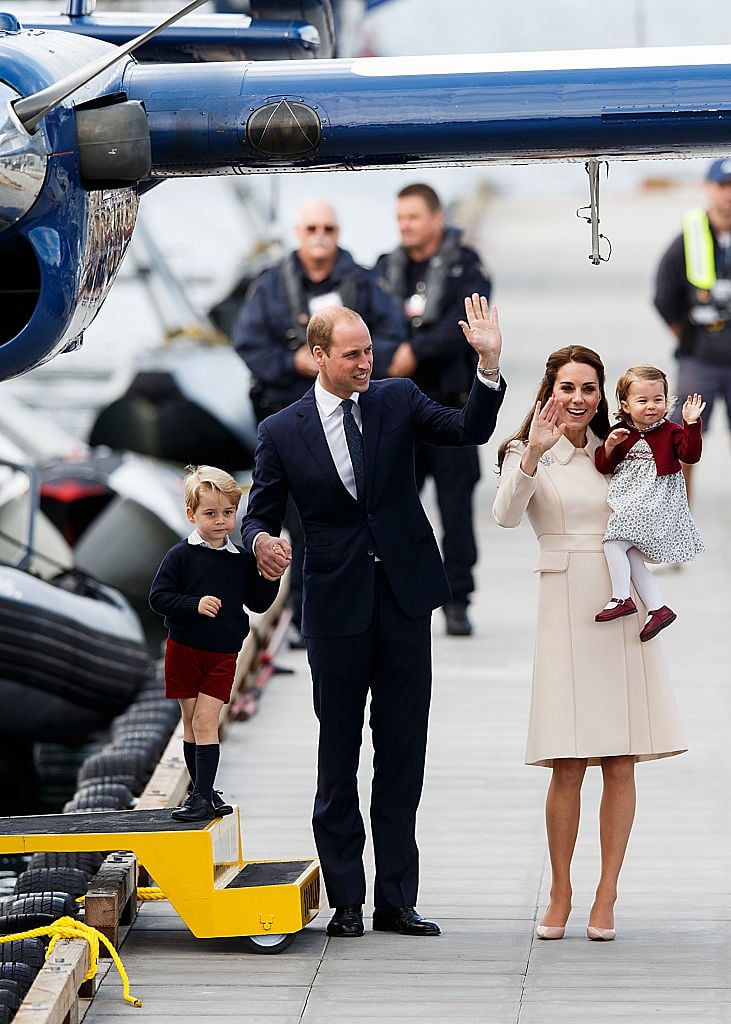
210 477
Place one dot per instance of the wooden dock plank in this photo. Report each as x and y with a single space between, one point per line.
53 996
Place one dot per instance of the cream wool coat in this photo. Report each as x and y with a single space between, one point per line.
597 691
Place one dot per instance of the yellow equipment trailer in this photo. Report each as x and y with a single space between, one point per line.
199 867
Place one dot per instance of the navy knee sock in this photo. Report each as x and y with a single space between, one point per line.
189 757
206 765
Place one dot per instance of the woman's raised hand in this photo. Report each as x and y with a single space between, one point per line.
544 430
543 434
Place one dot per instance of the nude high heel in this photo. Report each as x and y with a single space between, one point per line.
600 934
545 931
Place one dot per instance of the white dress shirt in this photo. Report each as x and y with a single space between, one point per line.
331 417
195 538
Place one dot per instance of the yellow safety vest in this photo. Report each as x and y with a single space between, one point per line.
700 261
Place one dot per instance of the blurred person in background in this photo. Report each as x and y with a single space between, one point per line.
429 273
270 334
693 296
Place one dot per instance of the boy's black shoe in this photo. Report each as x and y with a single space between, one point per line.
195 808
219 805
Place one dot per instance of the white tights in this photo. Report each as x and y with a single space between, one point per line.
626 562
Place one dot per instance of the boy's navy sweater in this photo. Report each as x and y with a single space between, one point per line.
189 572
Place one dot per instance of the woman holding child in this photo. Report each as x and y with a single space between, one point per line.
600 696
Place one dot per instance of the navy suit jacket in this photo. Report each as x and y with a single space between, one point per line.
341 535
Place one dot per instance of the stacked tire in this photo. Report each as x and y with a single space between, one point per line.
114 775
47 889
73 655
110 778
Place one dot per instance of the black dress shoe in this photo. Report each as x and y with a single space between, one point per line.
457 622
195 808
346 922
403 920
219 805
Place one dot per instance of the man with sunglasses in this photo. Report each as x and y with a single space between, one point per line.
270 334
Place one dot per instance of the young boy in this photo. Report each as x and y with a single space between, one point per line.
201 587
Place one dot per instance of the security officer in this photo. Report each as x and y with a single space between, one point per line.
270 330
693 296
430 273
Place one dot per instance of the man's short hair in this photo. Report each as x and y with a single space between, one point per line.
322 325
425 192
211 478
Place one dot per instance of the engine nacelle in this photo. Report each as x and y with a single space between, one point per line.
63 229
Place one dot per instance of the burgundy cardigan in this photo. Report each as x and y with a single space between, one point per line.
669 444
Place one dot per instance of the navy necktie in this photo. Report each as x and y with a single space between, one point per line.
354 441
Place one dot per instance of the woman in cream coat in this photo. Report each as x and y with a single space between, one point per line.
600 697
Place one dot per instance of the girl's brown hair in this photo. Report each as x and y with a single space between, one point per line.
554 363
646 372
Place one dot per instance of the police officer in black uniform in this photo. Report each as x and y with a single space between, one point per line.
270 330
430 273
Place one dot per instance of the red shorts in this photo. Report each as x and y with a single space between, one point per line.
189 671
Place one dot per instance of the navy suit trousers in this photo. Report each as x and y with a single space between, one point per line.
392 661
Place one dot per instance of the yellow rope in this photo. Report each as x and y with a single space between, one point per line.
150 892
144 893
68 928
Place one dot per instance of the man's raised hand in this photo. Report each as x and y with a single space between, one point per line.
482 330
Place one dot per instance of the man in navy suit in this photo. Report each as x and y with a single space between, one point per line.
372 577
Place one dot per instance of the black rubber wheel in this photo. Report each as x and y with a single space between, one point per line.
20 973
58 769
6 985
87 861
111 795
30 951
152 711
98 803
128 769
143 752
267 944
70 880
10 997
154 738
51 905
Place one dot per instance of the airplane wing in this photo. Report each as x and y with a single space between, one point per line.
86 129
437 110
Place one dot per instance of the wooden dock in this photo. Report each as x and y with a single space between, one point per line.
481 834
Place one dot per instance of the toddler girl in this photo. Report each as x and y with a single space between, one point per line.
650 514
